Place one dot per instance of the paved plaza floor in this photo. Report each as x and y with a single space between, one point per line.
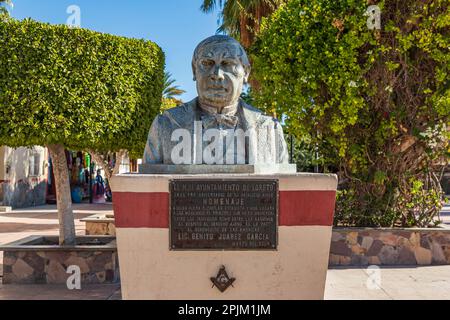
342 283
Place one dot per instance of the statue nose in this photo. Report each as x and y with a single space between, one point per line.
217 73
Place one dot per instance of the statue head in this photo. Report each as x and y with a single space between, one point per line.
221 67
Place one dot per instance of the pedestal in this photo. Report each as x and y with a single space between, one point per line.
297 269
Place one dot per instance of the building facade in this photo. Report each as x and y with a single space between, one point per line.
23 176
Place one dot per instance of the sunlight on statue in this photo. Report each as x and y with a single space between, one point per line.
217 127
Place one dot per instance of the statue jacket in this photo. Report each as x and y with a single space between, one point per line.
264 143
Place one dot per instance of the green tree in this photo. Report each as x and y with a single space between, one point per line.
102 159
62 87
376 102
3 11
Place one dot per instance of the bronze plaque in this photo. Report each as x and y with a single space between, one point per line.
223 214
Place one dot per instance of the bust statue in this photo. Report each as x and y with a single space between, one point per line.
217 127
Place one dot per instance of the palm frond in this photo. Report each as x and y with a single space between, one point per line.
171 91
209 6
3 10
241 18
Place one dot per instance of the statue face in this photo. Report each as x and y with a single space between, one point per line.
220 75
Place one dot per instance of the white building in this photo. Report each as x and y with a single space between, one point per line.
23 176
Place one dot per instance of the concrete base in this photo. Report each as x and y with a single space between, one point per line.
296 270
217 169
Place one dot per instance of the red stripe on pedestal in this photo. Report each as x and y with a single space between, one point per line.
151 210
307 208
141 210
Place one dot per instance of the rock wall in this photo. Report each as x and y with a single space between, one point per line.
41 267
100 228
365 246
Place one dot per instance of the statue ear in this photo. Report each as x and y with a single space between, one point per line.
194 72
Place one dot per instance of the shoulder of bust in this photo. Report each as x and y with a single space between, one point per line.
250 108
180 116
185 108
257 115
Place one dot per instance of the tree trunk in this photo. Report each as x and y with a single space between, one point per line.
67 234
102 161
119 158
243 29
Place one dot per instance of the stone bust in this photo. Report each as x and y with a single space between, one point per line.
217 127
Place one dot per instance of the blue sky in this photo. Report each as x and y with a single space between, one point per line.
177 26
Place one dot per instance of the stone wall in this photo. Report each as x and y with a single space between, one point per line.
100 228
366 246
100 224
41 267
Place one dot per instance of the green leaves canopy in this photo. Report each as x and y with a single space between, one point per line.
83 89
320 65
376 102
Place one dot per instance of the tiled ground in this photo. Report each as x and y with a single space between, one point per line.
398 283
55 292
420 283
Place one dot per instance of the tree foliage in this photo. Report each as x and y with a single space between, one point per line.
241 19
76 87
169 103
377 102
3 11
72 88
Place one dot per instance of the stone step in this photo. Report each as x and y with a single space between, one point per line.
4 209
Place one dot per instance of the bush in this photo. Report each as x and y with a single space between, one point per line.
376 102
76 87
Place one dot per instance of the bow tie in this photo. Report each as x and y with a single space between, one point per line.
216 119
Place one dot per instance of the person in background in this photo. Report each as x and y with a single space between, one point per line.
99 189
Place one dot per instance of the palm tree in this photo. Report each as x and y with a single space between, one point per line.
6 2
171 91
241 19
3 9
